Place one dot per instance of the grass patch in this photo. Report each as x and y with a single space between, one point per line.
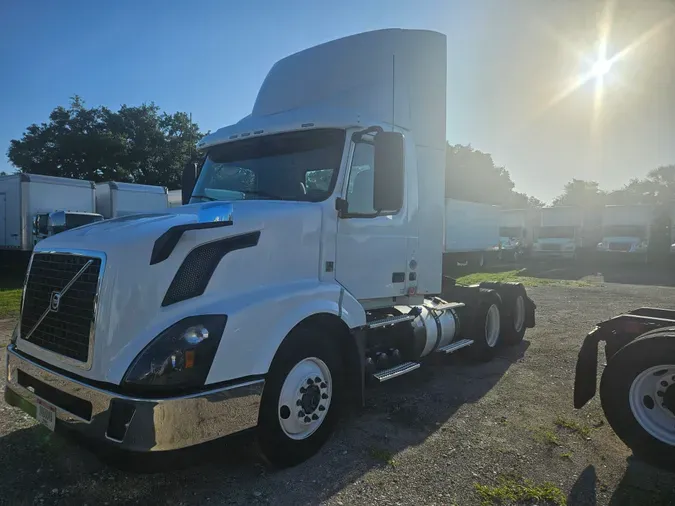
510 490
10 300
383 456
566 455
517 276
573 426
549 437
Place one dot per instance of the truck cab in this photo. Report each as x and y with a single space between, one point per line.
305 263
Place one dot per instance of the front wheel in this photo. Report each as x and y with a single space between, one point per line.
302 397
637 392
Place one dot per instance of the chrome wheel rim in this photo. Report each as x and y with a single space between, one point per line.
305 398
519 313
492 326
647 402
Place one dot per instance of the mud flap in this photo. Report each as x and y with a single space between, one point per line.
585 379
530 307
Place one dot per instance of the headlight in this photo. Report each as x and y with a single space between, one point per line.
600 246
179 357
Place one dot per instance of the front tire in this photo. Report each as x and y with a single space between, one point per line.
637 391
303 397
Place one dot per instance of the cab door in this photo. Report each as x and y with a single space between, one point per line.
370 247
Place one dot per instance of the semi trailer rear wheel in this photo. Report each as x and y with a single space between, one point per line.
486 326
637 391
302 397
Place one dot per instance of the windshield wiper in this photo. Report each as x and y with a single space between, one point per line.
210 199
263 193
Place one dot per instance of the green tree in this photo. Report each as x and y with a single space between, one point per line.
133 144
579 192
472 175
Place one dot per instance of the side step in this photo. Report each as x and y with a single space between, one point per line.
458 345
399 370
391 320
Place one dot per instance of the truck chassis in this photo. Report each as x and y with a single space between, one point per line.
637 387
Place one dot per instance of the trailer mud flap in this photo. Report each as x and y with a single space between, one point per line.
585 379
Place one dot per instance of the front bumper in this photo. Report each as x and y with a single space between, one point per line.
128 423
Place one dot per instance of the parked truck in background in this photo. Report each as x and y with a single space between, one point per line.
516 232
626 231
175 198
114 200
559 234
471 233
307 264
33 207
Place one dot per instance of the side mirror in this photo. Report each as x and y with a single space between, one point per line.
188 181
389 170
56 222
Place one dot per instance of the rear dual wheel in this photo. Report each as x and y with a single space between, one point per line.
486 327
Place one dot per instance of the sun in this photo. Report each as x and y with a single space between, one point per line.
601 67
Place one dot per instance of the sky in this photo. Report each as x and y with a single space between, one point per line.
508 60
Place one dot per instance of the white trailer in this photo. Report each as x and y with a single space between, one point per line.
114 199
307 265
471 231
559 234
26 199
626 230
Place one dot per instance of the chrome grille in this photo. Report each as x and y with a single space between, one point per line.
67 329
619 246
551 247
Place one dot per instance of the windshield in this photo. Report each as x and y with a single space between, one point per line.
510 231
556 232
78 220
291 166
624 231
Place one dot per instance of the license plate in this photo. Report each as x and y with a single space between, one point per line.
46 414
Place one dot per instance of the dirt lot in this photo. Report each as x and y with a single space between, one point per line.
426 438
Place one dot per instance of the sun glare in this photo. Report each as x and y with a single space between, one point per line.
601 67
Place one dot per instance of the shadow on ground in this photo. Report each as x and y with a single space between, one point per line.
37 465
640 485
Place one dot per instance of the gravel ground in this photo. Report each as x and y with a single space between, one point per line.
426 438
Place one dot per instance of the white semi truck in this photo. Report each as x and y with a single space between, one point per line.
560 233
33 207
307 264
114 199
626 230
471 232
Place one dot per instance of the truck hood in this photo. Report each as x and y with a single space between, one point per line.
130 309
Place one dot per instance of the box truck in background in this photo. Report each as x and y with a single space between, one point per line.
471 233
114 199
28 200
560 233
175 198
626 230
516 232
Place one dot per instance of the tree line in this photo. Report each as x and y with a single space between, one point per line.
143 145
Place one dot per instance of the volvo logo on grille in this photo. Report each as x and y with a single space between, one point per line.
55 301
